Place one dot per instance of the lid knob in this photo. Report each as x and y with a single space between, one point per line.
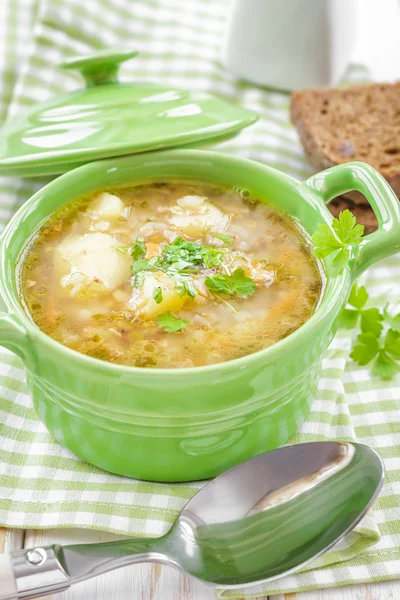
99 67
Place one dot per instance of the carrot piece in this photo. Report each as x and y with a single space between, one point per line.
152 250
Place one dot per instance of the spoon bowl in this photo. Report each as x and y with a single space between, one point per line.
275 513
263 519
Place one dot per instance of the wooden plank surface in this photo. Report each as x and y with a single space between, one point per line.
157 582
11 539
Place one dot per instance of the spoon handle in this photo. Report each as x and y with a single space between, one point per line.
39 571
29 573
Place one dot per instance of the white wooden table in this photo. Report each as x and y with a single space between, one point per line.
157 582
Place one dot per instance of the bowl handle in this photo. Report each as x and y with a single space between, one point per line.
359 176
13 336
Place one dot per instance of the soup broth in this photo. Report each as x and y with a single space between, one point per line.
169 274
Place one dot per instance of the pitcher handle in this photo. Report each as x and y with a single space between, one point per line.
359 176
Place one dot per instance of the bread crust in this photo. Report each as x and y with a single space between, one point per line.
309 112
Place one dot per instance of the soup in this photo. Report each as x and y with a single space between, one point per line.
169 274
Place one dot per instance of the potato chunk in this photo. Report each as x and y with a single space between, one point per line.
91 260
142 302
190 201
107 206
194 216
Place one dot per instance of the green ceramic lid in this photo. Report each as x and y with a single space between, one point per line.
108 118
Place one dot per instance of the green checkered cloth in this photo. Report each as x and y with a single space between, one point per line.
44 485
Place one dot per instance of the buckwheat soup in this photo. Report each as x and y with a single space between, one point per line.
169 274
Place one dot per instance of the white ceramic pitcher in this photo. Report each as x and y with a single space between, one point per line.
289 44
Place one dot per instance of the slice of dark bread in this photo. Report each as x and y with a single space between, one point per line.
355 123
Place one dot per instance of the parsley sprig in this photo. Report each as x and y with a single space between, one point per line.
384 354
341 238
370 318
379 340
170 323
237 284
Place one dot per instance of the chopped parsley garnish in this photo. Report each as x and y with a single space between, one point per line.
158 295
139 249
138 268
340 238
185 288
236 284
170 323
182 255
140 265
139 279
178 258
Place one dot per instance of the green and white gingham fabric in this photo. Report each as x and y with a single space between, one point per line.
43 485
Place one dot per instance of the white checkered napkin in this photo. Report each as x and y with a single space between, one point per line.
44 485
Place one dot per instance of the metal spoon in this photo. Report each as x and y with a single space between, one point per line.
259 521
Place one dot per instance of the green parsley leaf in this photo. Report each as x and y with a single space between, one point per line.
385 367
392 320
180 288
325 241
358 296
190 289
179 265
220 284
185 288
238 283
139 249
153 263
343 233
137 269
366 349
158 295
170 323
223 237
370 346
241 284
139 265
139 279
212 257
341 260
371 320
392 343
346 229
349 318
182 255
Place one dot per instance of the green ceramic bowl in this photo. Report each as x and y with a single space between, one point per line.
185 424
